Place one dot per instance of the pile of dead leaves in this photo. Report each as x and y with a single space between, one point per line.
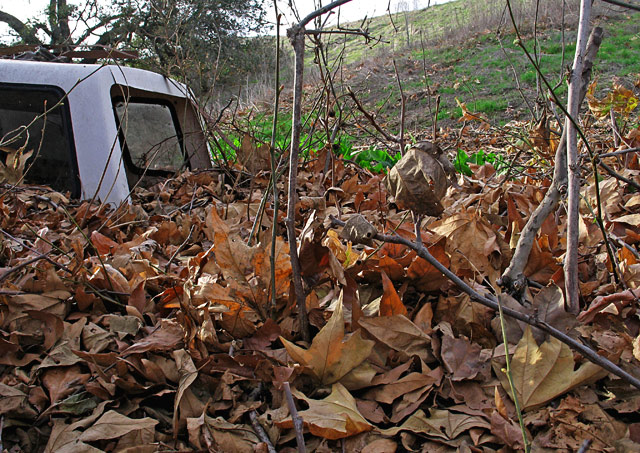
155 327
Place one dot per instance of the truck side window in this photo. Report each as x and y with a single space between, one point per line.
36 119
151 136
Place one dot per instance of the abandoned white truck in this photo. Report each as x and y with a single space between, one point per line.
98 130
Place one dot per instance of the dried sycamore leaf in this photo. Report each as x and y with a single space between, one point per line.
12 170
541 373
254 158
400 334
461 357
224 436
330 356
468 115
113 425
188 374
334 417
441 424
472 243
418 182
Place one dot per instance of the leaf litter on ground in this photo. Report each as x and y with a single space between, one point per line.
152 327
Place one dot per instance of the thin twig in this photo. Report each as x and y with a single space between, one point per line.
274 167
514 395
623 4
166 267
298 424
260 432
585 446
20 266
619 152
616 175
403 102
25 245
372 119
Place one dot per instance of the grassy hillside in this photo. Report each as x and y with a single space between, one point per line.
466 49
461 51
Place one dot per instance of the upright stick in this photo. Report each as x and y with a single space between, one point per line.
573 165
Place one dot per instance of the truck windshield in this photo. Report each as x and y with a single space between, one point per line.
35 140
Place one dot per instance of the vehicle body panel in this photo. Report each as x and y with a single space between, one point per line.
90 91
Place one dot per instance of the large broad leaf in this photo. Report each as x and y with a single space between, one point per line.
400 334
418 182
330 356
222 434
247 270
441 424
188 374
334 417
113 425
541 373
620 99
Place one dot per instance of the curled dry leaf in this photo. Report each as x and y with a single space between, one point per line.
358 230
400 334
390 304
334 417
216 434
418 182
441 424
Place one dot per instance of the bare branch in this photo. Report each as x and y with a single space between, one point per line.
26 33
573 165
623 4
491 302
321 11
372 119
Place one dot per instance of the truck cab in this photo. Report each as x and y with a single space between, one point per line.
97 131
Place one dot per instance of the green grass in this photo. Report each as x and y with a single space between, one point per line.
483 59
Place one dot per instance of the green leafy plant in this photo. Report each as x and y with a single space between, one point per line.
374 159
462 161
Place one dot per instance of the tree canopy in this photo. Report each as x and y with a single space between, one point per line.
168 33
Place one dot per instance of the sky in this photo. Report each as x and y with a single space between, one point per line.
355 10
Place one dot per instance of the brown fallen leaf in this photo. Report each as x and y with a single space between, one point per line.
390 304
188 373
331 356
400 334
113 425
461 357
418 182
471 243
63 381
216 434
167 336
541 373
441 424
334 417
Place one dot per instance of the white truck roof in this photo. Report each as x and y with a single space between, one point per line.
90 91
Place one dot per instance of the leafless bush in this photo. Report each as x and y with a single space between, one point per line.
463 19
